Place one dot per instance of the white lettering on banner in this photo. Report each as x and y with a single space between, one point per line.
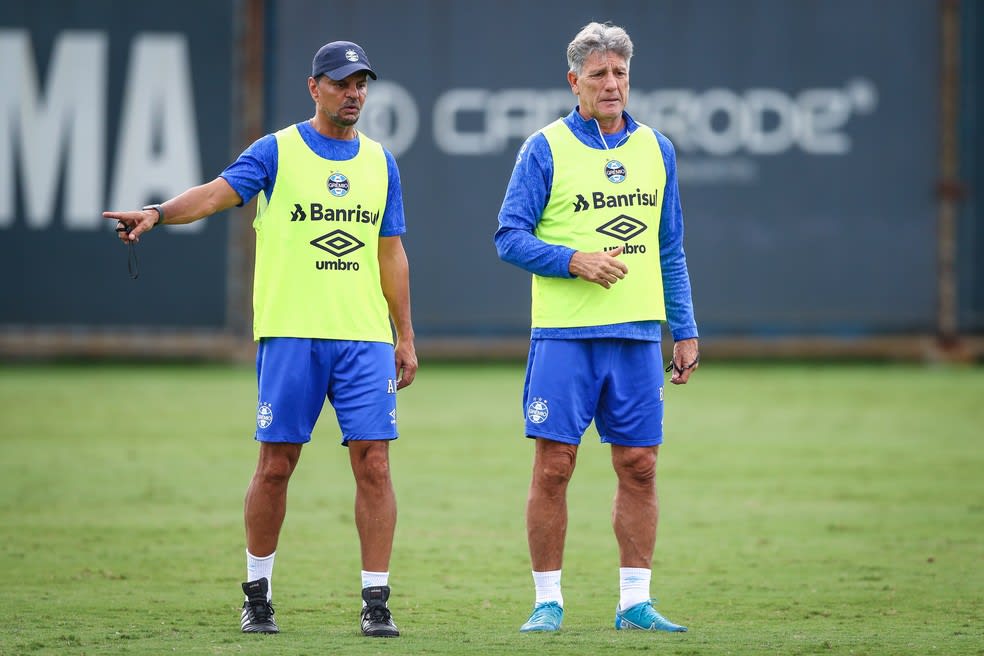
446 110
717 122
499 116
759 121
157 152
62 129
63 126
390 117
762 103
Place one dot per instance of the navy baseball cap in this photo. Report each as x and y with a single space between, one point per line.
339 59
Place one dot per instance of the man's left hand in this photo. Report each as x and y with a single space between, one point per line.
686 359
406 363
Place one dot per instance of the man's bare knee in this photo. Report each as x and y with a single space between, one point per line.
276 463
554 463
635 465
370 462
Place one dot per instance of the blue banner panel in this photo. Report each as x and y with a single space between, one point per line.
111 105
806 134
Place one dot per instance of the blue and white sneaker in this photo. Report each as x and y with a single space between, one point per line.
643 617
546 616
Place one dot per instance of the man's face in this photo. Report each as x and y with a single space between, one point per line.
340 101
602 88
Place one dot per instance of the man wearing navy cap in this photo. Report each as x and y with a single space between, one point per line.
339 59
331 287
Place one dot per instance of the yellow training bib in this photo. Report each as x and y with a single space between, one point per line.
317 242
599 200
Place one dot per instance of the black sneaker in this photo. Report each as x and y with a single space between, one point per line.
257 614
377 622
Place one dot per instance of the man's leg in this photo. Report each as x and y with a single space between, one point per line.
546 507
546 529
375 519
635 515
635 512
266 497
375 502
264 511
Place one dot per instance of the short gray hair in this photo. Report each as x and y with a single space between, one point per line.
597 37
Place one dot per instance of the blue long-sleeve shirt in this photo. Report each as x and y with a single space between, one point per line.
526 197
256 170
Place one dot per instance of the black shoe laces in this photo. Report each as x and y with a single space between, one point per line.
260 610
376 613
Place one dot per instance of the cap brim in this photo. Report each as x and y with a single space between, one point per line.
343 72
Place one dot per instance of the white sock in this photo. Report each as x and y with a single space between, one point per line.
634 586
548 587
258 568
372 579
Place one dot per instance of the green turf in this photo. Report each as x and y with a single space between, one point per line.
805 510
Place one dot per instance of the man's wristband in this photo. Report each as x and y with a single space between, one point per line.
160 212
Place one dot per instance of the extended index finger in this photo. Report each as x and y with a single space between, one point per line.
121 215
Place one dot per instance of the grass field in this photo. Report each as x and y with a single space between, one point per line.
805 510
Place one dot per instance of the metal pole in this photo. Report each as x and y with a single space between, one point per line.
949 188
247 127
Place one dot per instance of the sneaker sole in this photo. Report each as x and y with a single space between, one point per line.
626 625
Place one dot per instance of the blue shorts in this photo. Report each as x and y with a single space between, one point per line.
295 376
618 383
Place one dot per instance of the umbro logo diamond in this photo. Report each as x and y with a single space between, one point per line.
622 227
